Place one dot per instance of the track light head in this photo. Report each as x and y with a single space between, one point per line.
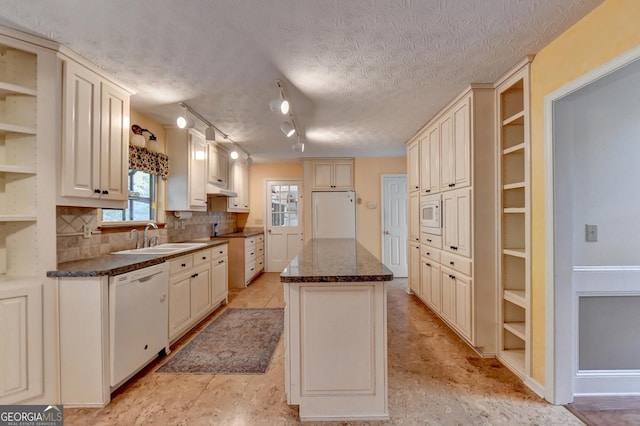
234 155
279 105
287 128
298 146
210 134
185 122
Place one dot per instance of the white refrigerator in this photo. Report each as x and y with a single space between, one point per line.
334 214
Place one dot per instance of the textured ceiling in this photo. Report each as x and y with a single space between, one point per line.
363 75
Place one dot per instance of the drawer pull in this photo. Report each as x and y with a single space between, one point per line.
204 257
194 275
451 263
453 277
184 265
220 261
428 240
427 263
428 254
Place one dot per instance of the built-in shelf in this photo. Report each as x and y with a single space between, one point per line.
516 252
514 185
512 210
515 359
13 89
4 168
516 328
12 128
517 118
512 149
517 297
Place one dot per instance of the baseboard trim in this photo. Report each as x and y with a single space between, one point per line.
535 386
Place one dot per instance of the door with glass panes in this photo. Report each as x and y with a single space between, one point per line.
284 222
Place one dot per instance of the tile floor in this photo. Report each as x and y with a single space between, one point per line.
434 379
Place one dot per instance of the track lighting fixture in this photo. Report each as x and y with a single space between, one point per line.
210 130
287 128
249 161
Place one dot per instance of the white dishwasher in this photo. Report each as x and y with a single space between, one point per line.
138 320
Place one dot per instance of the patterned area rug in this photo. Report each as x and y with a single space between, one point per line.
239 341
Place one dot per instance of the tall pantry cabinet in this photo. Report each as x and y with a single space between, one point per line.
455 275
28 97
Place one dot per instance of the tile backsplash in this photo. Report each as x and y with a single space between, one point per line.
71 244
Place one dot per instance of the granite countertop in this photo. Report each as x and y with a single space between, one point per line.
245 233
335 260
116 264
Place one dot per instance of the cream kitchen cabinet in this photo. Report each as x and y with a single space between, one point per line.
333 174
246 258
219 274
197 285
413 166
29 135
414 268
456 301
430 160
239 178
455 144
217 166
186 184
456 206
414 217
465 293
95 139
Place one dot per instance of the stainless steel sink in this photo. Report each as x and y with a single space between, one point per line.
167 248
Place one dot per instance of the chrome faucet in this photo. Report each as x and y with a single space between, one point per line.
137 237
146 231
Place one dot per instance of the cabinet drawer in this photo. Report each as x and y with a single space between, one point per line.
250 270
260 239
180 264
430 253
260 264
201 256
431 240
259 249
460 264
250 254
220 251
249 242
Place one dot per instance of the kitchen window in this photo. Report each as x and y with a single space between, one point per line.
141 205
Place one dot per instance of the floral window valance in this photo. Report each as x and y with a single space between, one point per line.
154 163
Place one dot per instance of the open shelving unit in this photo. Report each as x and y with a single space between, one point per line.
512 103
18 156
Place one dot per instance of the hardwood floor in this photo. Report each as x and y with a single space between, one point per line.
607 410
434 379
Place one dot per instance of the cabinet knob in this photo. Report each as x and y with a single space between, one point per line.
204 257
428 240
451 263
427 190
427 263
97 191
220 261
105 192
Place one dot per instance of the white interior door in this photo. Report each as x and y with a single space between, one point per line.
284 222
394 224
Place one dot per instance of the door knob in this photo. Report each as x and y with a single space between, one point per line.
386 232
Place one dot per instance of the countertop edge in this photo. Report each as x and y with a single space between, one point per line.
336 278
124 262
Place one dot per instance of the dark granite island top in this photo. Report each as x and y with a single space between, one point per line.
335 260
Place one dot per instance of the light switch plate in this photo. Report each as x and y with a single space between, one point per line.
591 233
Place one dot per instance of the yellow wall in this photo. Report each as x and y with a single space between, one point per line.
258 173
610 30
368 172
148 123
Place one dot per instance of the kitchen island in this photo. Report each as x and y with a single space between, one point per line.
336 332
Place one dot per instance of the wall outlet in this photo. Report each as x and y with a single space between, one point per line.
182 224
591 233
86 231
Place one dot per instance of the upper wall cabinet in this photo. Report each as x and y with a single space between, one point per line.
455 145
187 179
413 166
95 139
239 183
430 160
336 175
218 166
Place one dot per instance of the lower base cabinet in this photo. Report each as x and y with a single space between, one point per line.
197 285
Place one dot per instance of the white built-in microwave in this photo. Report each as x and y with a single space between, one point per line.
431 214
